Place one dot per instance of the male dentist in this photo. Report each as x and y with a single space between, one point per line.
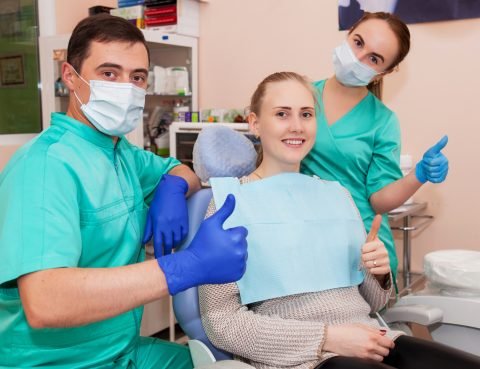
73 205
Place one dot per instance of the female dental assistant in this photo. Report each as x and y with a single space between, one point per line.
358 137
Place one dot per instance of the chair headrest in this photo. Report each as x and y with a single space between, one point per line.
220 151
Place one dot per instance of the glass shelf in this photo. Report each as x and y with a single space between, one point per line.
171 96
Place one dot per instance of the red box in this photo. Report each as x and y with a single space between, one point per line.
164 10
161 21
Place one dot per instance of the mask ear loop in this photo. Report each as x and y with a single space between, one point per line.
78 99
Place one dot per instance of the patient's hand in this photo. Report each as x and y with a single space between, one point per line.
374 253
357 340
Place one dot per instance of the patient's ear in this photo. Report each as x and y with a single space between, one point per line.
253 123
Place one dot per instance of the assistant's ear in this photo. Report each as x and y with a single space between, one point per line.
379 76
253 124
68 76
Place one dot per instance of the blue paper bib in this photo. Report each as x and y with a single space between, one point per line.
304 235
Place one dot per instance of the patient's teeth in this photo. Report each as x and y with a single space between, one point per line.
293 142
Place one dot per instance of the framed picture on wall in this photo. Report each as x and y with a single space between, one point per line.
410 11
11 70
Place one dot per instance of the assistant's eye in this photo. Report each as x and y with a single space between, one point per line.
282 114
357 42
374 59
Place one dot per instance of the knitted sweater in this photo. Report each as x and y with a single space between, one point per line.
286 332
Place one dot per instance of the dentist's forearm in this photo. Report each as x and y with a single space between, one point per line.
68 297
395 194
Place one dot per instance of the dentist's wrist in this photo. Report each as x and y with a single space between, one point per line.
178 271
177 181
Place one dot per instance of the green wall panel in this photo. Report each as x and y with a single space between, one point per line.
20 107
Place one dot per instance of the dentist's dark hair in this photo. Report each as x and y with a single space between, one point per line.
401 31
103 28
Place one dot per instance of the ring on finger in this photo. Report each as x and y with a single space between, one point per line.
374 263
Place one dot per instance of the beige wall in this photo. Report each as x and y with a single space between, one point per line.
435 91
69 12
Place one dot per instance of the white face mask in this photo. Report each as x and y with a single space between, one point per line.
348 69
113 108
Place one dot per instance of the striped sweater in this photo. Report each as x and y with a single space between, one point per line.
286 332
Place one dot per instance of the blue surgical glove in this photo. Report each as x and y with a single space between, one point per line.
434 165
167 218
214 256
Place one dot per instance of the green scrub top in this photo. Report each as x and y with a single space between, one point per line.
362 151
72 198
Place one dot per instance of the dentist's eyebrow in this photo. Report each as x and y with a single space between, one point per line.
119 67
140 70
109 65
363 43
289 108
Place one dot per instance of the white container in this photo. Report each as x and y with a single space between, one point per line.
454 272
406 165
160 80
178 81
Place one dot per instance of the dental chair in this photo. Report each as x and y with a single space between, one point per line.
239 161
451 320
449 305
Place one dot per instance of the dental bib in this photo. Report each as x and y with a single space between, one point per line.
304 235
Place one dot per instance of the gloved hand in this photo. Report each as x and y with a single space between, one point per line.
167 217
434 165
214 256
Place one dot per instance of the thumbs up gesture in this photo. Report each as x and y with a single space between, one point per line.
215 255
434 165
374 253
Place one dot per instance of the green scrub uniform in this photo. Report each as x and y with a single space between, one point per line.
71 198
362 151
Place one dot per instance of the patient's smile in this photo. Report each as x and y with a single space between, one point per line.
293 142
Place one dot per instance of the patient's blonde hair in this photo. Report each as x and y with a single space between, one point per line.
259 94
257 97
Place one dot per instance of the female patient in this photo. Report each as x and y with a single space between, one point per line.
312 314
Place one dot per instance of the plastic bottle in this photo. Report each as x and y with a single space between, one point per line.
179 110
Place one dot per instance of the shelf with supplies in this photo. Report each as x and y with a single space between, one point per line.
169 96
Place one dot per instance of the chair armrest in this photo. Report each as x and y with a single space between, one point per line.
203 358
201 354
420 314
